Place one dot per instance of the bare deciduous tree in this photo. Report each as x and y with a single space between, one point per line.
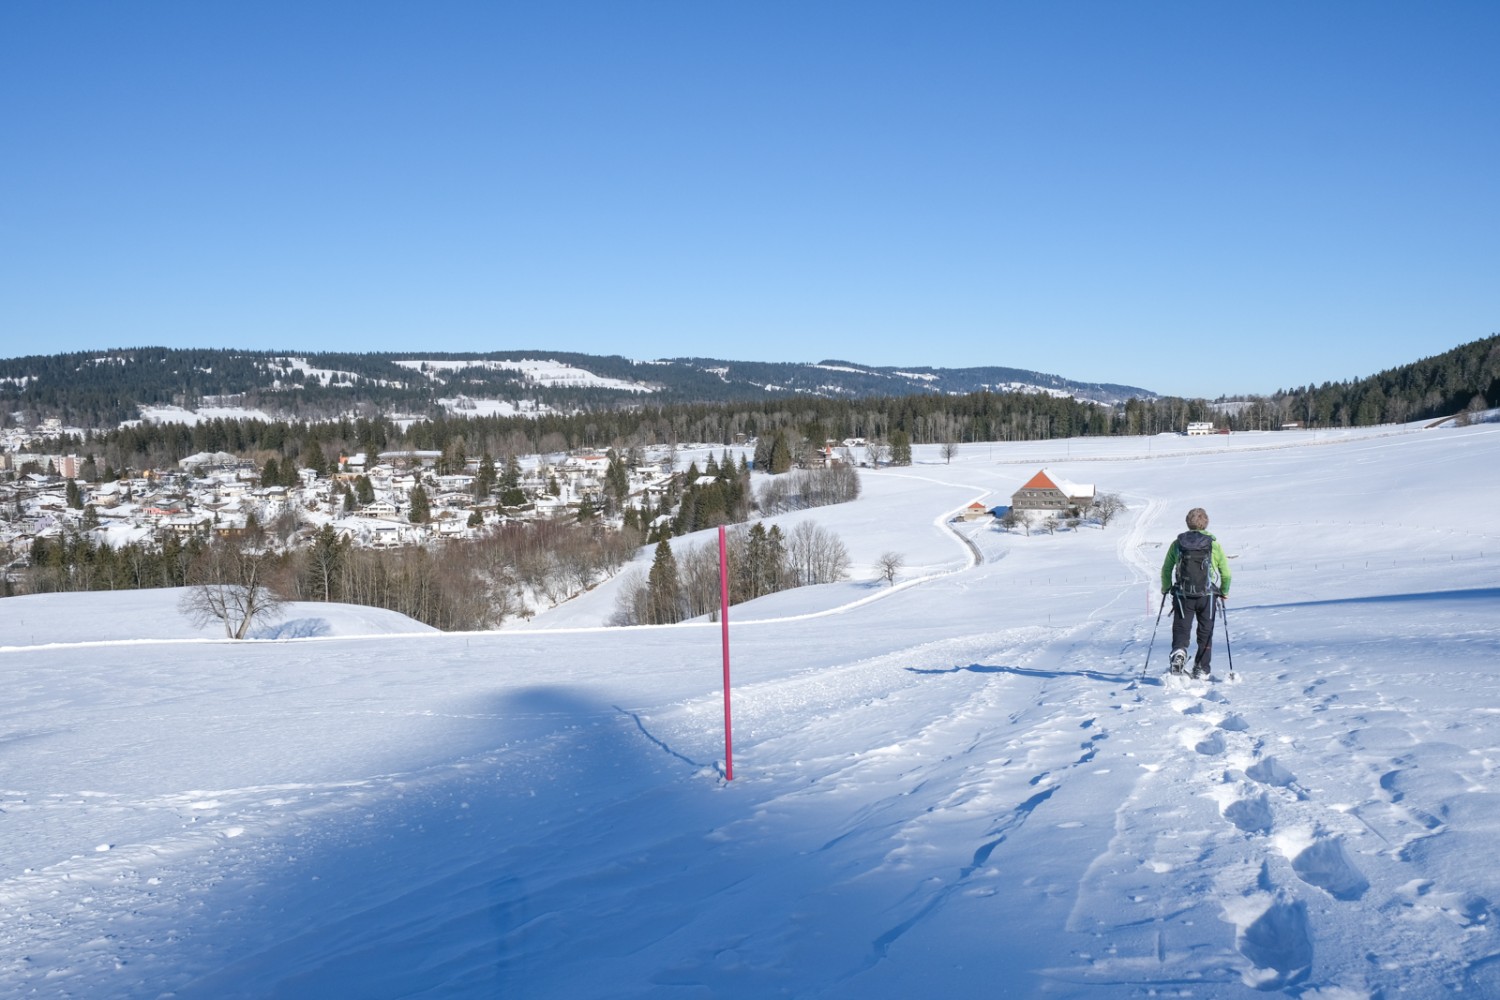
1013 519
227 583
888 565
816 555
949 451
1107 506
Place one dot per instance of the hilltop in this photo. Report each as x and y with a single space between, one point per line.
103 388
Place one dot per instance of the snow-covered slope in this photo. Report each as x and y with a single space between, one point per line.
148 615
959 786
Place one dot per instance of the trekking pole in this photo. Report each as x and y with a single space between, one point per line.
1228 647
1162 607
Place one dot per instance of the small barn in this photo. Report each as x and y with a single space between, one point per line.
1046 491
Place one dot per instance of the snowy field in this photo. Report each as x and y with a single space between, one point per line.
960 786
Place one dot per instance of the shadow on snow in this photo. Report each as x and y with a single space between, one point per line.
1475 594
981 668
505 873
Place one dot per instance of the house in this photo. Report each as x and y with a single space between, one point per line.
976 511
1199 427
1046 491
596 464
551 506
411 459
382 509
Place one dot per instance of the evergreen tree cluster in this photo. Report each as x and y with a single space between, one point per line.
1465 379
76 562
719 494
760 561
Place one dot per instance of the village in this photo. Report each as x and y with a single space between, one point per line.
401 501
388 500
391 499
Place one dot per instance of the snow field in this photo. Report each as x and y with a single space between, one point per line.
959 786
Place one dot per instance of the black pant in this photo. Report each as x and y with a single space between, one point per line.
1184 610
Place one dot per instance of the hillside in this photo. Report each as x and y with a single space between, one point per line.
962 785
103 388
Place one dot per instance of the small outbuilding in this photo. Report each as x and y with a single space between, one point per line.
1046 491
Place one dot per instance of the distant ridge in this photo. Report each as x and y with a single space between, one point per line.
101 388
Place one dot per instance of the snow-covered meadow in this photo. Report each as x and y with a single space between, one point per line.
957 786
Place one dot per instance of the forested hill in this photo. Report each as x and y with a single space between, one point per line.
100 389
1466 378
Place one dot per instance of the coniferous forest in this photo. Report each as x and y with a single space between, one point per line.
1466 378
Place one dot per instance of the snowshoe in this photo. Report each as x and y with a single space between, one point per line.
1179 658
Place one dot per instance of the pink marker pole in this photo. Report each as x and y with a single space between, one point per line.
724 622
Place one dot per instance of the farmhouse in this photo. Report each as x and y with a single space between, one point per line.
1045 491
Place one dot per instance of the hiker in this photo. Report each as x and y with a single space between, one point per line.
1195 573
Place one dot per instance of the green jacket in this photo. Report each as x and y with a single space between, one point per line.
1220 566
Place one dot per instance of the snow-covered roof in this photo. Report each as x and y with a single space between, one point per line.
1048 480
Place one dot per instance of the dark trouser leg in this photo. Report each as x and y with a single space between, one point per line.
1182 621
1205 613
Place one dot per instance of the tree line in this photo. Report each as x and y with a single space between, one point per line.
1465 378
464 585
761 561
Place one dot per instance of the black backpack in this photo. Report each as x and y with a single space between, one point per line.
1195 575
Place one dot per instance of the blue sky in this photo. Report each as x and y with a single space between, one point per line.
1197 198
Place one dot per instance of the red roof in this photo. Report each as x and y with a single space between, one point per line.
1040 482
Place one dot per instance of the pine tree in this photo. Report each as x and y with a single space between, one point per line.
616 479
312 457
420 511
663 589
484 483
900 448
511 494
781 454
778 573
763 452
754 575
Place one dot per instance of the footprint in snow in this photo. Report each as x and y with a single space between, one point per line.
1269 771
1273 935
1210 745
1323 862
1233 724
1251 814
